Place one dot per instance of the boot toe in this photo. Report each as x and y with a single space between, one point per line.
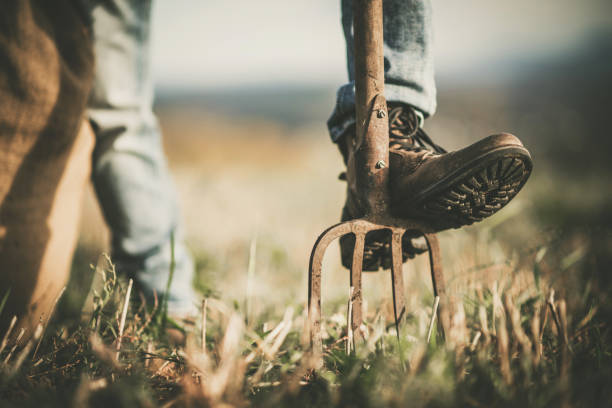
468 185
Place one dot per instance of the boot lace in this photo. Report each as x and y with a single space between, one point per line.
405 131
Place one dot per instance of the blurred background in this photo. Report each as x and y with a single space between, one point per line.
243 93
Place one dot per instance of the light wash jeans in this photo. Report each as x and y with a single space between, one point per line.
130 174
129 169
408 53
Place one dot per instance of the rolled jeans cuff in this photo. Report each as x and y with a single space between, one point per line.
151 272
343 116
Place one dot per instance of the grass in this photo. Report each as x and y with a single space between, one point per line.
511 342
514 342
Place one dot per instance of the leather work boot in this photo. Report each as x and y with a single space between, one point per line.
447 190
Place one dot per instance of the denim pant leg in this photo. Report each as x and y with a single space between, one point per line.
408 53
130 173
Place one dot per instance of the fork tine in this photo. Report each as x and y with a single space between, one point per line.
397 279
314 280
360 227
437 280
356 267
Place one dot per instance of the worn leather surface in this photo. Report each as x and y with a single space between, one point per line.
413 173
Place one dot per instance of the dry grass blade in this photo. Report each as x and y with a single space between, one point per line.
149 316
563 320
544 322
515 321
250 278
203 333
8 333
278 335
561 330
282 335
496 306
378 329
586 319
434 311
48 320
161 368
126 304
565 357
219 380
283 326
149 352
484 324
535 333
475 340
10 353
26 350
503 347
458 333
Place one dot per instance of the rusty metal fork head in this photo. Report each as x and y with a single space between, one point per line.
360 228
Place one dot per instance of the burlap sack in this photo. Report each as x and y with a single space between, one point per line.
46 64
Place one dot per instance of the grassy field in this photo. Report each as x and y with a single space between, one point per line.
530 287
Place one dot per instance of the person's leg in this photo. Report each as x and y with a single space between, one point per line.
445 190
409 70
130 174
409 79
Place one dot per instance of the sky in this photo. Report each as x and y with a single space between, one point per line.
220 44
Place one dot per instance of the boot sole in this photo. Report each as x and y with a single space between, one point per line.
477 190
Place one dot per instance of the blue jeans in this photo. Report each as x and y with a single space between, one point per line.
408 53
130 174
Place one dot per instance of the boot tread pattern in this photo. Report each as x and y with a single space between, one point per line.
480 193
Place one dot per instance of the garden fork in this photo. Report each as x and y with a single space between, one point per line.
372 173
